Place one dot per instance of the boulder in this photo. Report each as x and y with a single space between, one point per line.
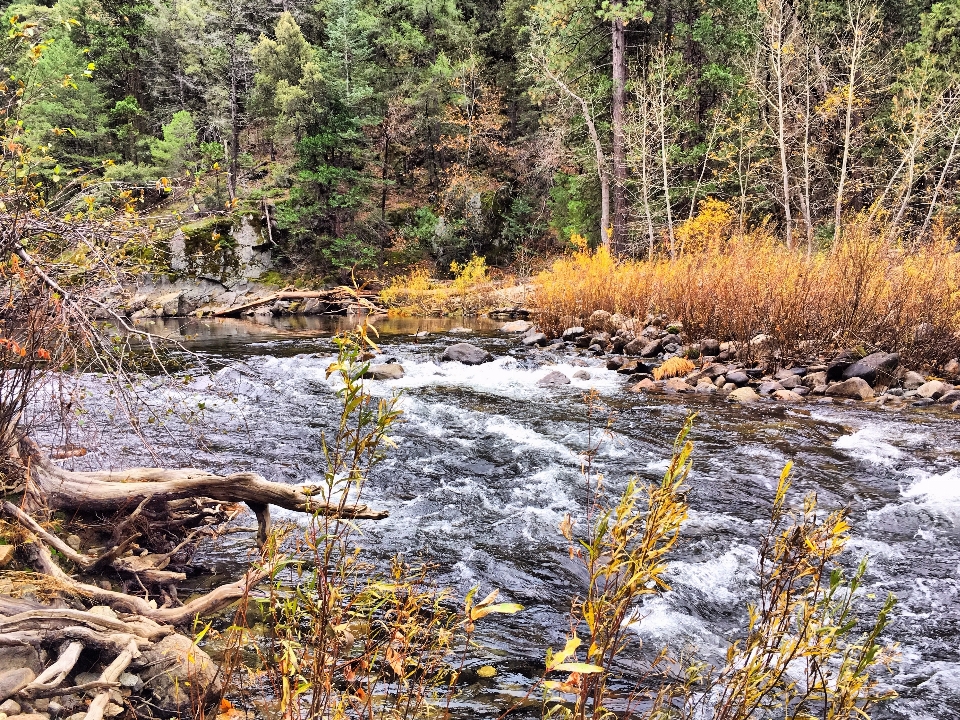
516 326
651 348
875 368
634 367
385 371
769 387
6 555
737 377
11 681
180 675
933 389
912 380
951 368
951 396
553 379
710 347
676 385
645 385
811 380
10 707
706 387
615 362
534 338
13 657
467 354
572 333
791 382
856 388
743 395
787 396
839 365
635 347
599 319
581 375
728 387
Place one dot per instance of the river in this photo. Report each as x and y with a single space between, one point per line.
487 464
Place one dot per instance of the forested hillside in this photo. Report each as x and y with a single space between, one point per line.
380 134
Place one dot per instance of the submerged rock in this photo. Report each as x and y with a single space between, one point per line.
553 379
467 354
386 371
581 375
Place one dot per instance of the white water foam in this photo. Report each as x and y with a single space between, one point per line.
943 489
869 444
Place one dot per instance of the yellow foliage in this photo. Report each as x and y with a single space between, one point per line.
707 230
674 367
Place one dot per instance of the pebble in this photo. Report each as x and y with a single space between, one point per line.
10 707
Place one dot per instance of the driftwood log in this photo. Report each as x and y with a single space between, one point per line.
336 300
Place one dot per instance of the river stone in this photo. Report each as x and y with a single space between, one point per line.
951 368
651 348
727 388
10 707
933 389
811 380
6 555
787 396
581 375
467 354
950 397
645 385
706 387
875 368
460 330
516 326
178 674
11 681
743 395
710 347
20 657
792 382
33 716
534 338
676 385
599 319
912 380
633 367
769 387
615 362
635 347
572 333
737 377
787 373
386 371
856 388
552 379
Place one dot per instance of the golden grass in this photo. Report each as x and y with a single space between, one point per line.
865 292
469 293
674 367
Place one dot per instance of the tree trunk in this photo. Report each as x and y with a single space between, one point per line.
618 241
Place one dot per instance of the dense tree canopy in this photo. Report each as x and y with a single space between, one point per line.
381 132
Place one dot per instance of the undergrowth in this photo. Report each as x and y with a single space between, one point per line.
470 292
866 291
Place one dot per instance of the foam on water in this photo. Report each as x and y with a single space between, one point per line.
869 444
942 489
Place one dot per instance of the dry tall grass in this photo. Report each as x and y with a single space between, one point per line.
865 292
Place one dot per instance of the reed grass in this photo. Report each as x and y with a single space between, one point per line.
867 291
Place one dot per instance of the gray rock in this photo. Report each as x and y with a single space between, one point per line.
676 385
802 390
856 388
791 382
467 354
635 347
615 362
706 388
129 680
955 407
737 377
599 319
923 402
950 397
875 368
710 347
728 387
178 674
634 367
645 385
536 338
838 366
10 707
14 657
651 348
812 380
596 349
720 381
553 379
787 396
572 333
912 380
787 373
74 542
516 326
460 330
385 371
769 387
581 375
933 389
744 395
951 368
12 680
34 716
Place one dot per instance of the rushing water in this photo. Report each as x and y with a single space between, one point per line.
487 464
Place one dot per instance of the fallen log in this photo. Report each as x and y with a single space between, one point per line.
53 488
337 296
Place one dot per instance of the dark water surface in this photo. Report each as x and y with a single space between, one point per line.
487 464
